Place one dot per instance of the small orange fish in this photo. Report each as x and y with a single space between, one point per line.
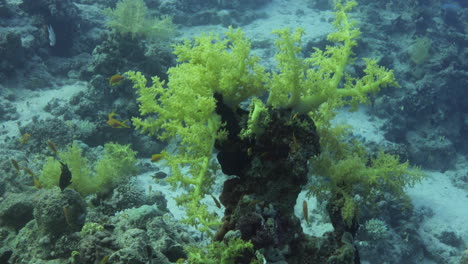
249 151
52 147
25 138
67 217
255 202
116 123
294 145
104 259
305 211
37 184
157 157
116 79
16 165
295 115
29 171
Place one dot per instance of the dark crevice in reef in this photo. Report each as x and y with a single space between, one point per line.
270 170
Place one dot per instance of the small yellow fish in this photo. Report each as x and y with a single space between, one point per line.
37 184
16 165
295 115
67 217
294 145
157 157
116 123
25 138
104 259
29 171
249 151
52 147
305 210
116 79
254 202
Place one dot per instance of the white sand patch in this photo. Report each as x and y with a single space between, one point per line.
362 124
149 183
286 14
319 221
449 205
31 104
281 14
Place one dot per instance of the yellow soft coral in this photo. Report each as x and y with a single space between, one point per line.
132 17
184 109
224 66
306 85
116 163
351 172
